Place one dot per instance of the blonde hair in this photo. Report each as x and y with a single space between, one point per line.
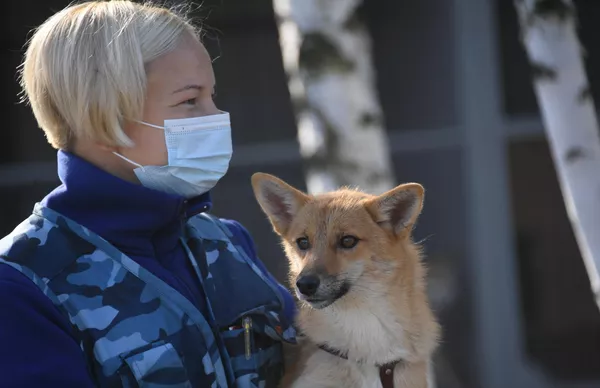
84 70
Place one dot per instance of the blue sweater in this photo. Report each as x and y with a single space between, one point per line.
37 347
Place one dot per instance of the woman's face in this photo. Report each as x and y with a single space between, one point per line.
180 85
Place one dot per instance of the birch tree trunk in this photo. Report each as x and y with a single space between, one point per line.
327 57
548 31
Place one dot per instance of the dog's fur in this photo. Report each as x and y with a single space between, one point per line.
371 302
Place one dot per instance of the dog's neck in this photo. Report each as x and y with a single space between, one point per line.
364 325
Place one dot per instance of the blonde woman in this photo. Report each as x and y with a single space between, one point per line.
121 277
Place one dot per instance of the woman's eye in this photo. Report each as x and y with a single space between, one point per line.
191 101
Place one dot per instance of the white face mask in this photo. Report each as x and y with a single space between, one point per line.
199 151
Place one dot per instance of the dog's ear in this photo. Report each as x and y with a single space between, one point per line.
397 210
280 201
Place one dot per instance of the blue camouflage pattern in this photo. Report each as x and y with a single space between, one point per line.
137 331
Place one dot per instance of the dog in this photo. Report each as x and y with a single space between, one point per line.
363 310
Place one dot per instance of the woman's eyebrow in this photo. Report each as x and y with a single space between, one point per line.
188 87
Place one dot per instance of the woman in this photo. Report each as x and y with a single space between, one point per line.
120 277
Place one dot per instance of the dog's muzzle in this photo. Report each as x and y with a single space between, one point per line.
320 292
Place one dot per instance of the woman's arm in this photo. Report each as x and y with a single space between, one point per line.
36 345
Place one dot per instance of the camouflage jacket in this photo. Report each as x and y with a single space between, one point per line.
134 329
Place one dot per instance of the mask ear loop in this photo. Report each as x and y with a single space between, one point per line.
150 125
128 160
131 161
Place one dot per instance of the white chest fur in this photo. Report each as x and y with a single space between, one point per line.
371 335
323 370
327 371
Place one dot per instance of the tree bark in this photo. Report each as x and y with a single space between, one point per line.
327 57
548 32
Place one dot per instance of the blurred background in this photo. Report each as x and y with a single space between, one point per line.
462 119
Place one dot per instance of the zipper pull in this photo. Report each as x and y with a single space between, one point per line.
247 339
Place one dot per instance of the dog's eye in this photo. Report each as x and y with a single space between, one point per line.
303 243
348 242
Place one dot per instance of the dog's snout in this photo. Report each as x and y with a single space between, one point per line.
308 284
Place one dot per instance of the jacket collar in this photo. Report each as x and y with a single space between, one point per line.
136 219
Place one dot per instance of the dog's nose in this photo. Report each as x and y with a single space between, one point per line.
308 284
